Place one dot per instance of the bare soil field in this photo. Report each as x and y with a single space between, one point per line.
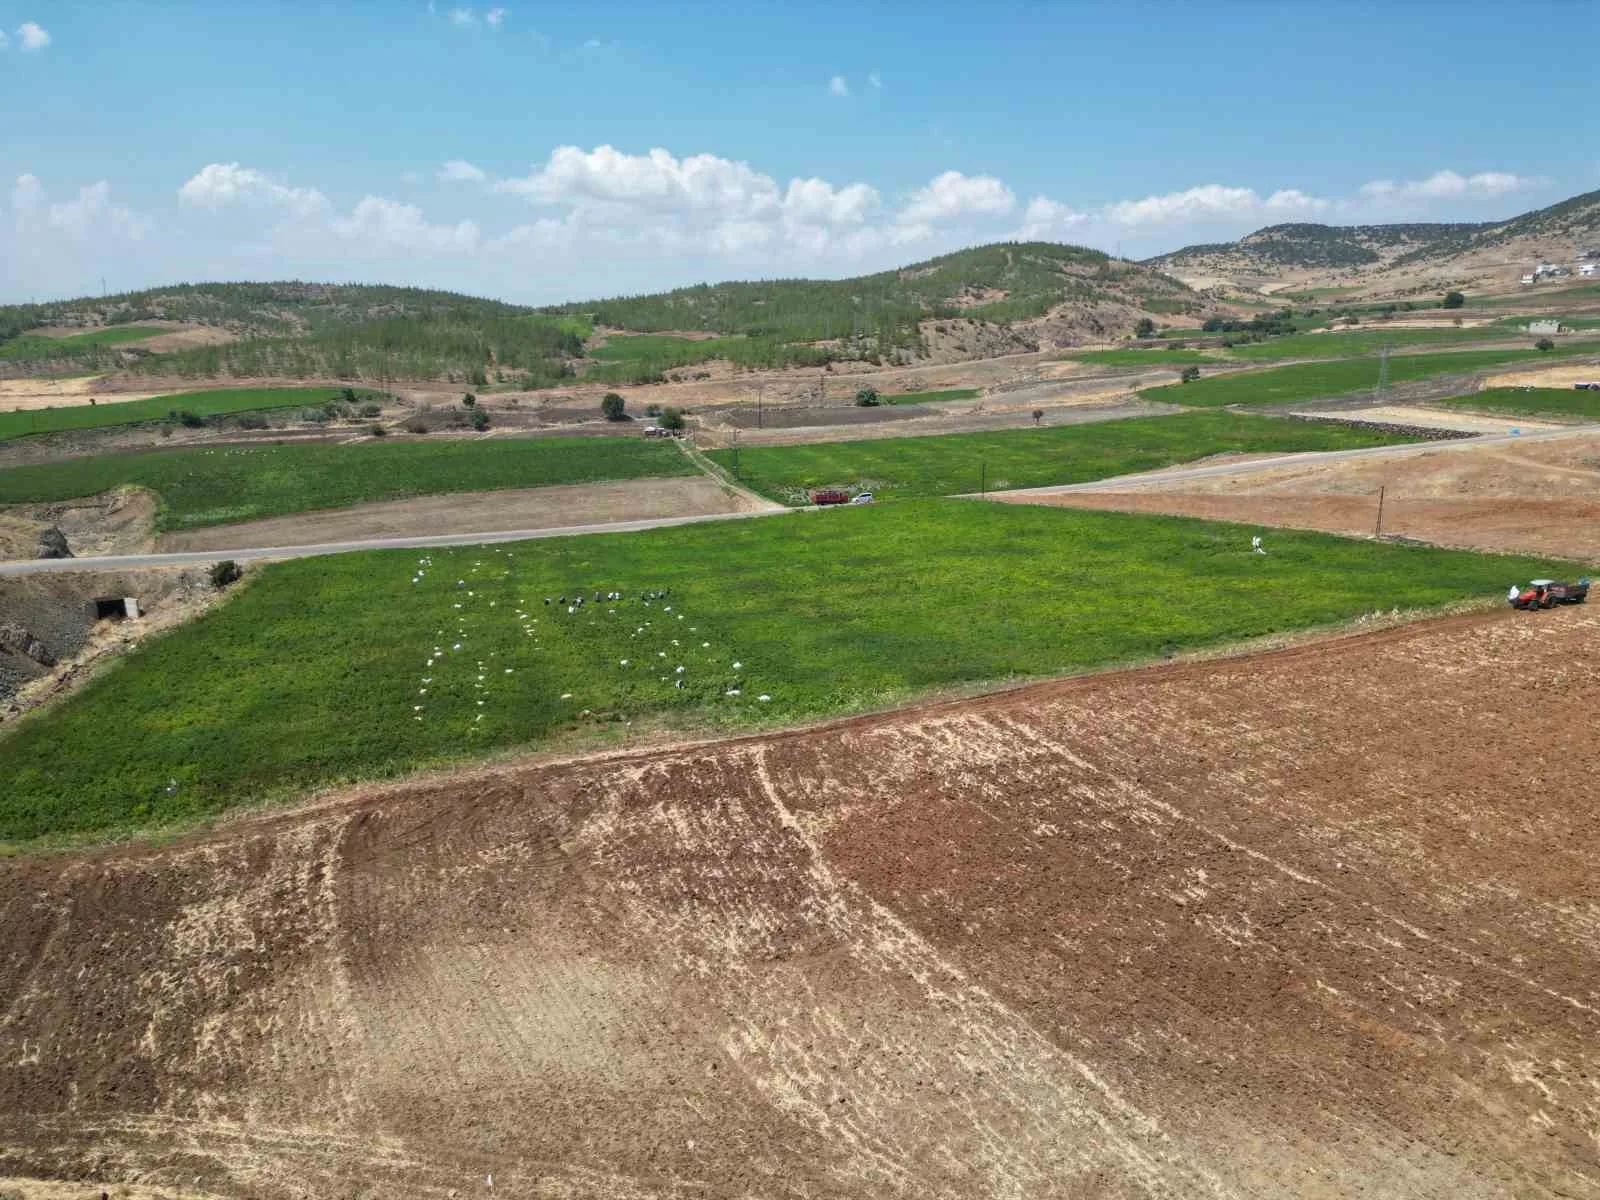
476 512
119 522
27 394
1536 497
1152 933
1556 377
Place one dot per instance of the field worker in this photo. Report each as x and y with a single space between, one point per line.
1255 544
1511 595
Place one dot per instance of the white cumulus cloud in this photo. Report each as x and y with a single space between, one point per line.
32 37
1447 185
463 17
221 185
1047 220
875 80
1209 200
953 195
838 86
496 17
390 224
459 171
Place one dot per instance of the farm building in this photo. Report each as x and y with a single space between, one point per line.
1544 326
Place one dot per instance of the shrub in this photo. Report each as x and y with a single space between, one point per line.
371 410
480 419
250 420
348 395
1544 344
477 378
191 420
377 431
1038 415
867 397
415 425
652 410
1145 328
469 400
225 572
1190 374
612 406
671 418
1454 300
315 416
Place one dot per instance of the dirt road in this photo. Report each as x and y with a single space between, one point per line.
476 512
1159 933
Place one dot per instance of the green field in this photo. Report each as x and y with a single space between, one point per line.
240 483
1366 341
330 669
30 347
930 397
1308 381
160 408
959 462
1154 357
1554 402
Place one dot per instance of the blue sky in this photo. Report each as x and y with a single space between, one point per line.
618 147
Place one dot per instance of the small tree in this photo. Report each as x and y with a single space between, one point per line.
348 395
1190 374
1544 344
867 397
612 405
1454 300
671 419
1145 328
225 572
480 420
469 400
377 431
1038 415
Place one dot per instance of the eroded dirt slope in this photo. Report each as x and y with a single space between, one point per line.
1321 922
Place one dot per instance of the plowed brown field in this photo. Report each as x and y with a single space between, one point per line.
1319 922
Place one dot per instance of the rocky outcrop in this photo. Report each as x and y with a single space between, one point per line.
53 543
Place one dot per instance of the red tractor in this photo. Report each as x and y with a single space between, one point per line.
1547 593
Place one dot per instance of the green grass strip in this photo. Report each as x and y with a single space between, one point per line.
212 486
962 462
159 408
1308 381
1553 402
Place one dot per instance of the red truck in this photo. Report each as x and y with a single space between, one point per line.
830 496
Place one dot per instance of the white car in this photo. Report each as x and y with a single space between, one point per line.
863 498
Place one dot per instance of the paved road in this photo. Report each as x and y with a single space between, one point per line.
40 566
1122 483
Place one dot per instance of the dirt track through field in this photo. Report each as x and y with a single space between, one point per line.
475 512
1321 922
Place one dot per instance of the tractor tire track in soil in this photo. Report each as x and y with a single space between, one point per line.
1318 922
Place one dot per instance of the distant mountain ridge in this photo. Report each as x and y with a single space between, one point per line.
1309 246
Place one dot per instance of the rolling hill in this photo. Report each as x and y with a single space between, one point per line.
974 303
1392 258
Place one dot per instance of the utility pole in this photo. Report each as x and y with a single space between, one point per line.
736 452
1378 532
983 476
1383 370
759 390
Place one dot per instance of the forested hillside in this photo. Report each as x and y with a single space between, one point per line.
301 330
